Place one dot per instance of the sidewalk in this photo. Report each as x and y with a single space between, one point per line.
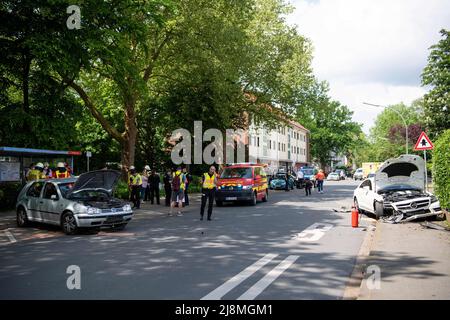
414 263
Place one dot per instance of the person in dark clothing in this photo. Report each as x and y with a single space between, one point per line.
287 182
308 186
188 182
154 181
167 179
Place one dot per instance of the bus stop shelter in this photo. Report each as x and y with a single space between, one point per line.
14 161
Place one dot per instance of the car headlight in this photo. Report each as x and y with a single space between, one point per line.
434 199
126 207
92 210
246 187
79 208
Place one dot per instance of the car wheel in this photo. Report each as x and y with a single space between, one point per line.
219 203
254 200
379 210
22 219
68 223
266 197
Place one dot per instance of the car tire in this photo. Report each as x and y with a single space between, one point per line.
266 197
219 203
379 209
68 223
254 199
22 218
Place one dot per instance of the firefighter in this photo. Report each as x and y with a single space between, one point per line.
135 183
61 171
208 191
36 173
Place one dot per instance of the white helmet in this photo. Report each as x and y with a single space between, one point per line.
132 168
39 165
61 165
147 167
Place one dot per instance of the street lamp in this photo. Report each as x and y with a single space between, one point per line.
400 115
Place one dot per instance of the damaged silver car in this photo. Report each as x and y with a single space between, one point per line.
74 203
397 188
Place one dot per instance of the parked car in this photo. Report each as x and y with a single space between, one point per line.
342 174
334 176
359 174
397 187
74 203
279 182
242 182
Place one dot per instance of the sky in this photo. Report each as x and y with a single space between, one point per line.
371 50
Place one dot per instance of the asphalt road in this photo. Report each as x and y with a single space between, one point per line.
292 247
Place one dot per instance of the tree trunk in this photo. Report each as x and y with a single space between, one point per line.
129 137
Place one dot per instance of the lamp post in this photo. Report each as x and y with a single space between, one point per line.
399 114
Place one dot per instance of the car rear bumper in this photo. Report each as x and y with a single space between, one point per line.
224 195
103 220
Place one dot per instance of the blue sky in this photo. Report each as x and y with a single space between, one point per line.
371 50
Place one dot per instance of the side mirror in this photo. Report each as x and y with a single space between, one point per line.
54 197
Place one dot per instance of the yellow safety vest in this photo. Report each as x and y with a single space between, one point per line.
181 175
62 175
35 175
208 182
136 180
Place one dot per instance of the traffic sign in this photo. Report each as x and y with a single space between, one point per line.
423 143
88 154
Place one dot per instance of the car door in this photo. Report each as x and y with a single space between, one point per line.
50 205
365 198
33 200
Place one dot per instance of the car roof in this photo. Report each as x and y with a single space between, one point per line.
57 181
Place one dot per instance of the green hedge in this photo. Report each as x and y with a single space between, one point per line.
8 194
441 169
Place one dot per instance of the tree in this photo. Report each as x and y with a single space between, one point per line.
437 75
441 169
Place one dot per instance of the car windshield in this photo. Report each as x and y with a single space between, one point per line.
230 173
65 188
280 176
89 195
308 171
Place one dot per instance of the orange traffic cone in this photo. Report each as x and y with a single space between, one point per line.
355 215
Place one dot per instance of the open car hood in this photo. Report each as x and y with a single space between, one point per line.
404 170
96 180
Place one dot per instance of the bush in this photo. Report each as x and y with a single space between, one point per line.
441 169
8 194
121 191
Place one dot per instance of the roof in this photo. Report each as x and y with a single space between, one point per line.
58 181
27 151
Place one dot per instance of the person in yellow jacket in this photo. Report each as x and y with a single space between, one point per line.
135 183
36 173
178 185
61 171
209 183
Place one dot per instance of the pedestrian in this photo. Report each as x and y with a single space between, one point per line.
144 185
178 180
47 171
300 179
154 181
287 182
308 186
209 183
167 180
135 183
188 182
319 178
147 190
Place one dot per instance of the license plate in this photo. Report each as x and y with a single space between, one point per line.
114 219
230 198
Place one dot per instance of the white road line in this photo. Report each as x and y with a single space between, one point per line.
10 236
219 292
314 232
262 284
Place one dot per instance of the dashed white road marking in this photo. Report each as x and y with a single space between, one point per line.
314 232
270 277
219 292
10 236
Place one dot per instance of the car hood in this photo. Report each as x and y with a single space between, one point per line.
96 180
404 170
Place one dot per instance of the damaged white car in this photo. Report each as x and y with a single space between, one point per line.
397 188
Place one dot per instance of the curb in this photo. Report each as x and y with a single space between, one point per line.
353 287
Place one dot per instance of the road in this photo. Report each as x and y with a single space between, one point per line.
292 247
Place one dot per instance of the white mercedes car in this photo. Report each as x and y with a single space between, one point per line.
397 188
